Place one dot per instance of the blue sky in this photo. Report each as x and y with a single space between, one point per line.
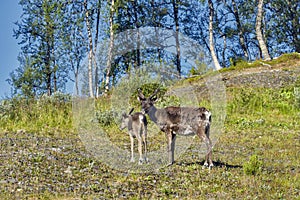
10 12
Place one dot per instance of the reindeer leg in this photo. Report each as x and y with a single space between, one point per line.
210 154
132 143
171 137
173 146
140 150
144 136
208 157
204 139
209 143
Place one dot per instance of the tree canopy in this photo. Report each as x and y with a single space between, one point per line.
56 37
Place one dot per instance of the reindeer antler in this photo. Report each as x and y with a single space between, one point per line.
154 93
140 94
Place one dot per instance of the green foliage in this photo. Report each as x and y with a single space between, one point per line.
24 79
284 20
262 100
148 89
239 63
200 68
48 114
253 166
297 93
297 97
287 58
169 100
43 30
106 117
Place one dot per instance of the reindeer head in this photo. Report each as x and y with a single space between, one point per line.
147 103
125 119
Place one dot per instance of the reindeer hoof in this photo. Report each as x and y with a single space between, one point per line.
146 160
140 161
206 165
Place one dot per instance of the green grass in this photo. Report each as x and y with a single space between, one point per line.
257 156
284 60
47 115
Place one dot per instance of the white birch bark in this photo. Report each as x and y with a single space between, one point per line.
90 56
110 49
259 34
211 36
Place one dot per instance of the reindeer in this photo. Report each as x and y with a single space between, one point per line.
179 120
137 127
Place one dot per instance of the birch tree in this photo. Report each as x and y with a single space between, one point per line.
176 23
211 36
98 11
259 34
91 54
240 29
111 46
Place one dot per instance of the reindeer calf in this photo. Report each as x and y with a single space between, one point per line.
137 127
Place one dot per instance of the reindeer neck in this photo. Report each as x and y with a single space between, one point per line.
153 114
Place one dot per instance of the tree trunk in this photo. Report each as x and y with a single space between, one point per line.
48 66
137 63
258 29
55 79
211 36
55 69
176 21
48 78
224 50
90 57
76 74
95 49
110 49
240 30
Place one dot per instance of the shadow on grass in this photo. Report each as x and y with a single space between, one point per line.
218 164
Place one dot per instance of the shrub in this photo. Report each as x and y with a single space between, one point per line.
253 166
106 117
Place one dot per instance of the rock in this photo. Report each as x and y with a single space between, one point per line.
21 131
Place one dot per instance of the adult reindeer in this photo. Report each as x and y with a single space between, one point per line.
179 120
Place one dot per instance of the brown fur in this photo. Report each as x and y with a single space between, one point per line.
179 120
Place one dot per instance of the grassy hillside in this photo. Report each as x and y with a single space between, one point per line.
256 157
